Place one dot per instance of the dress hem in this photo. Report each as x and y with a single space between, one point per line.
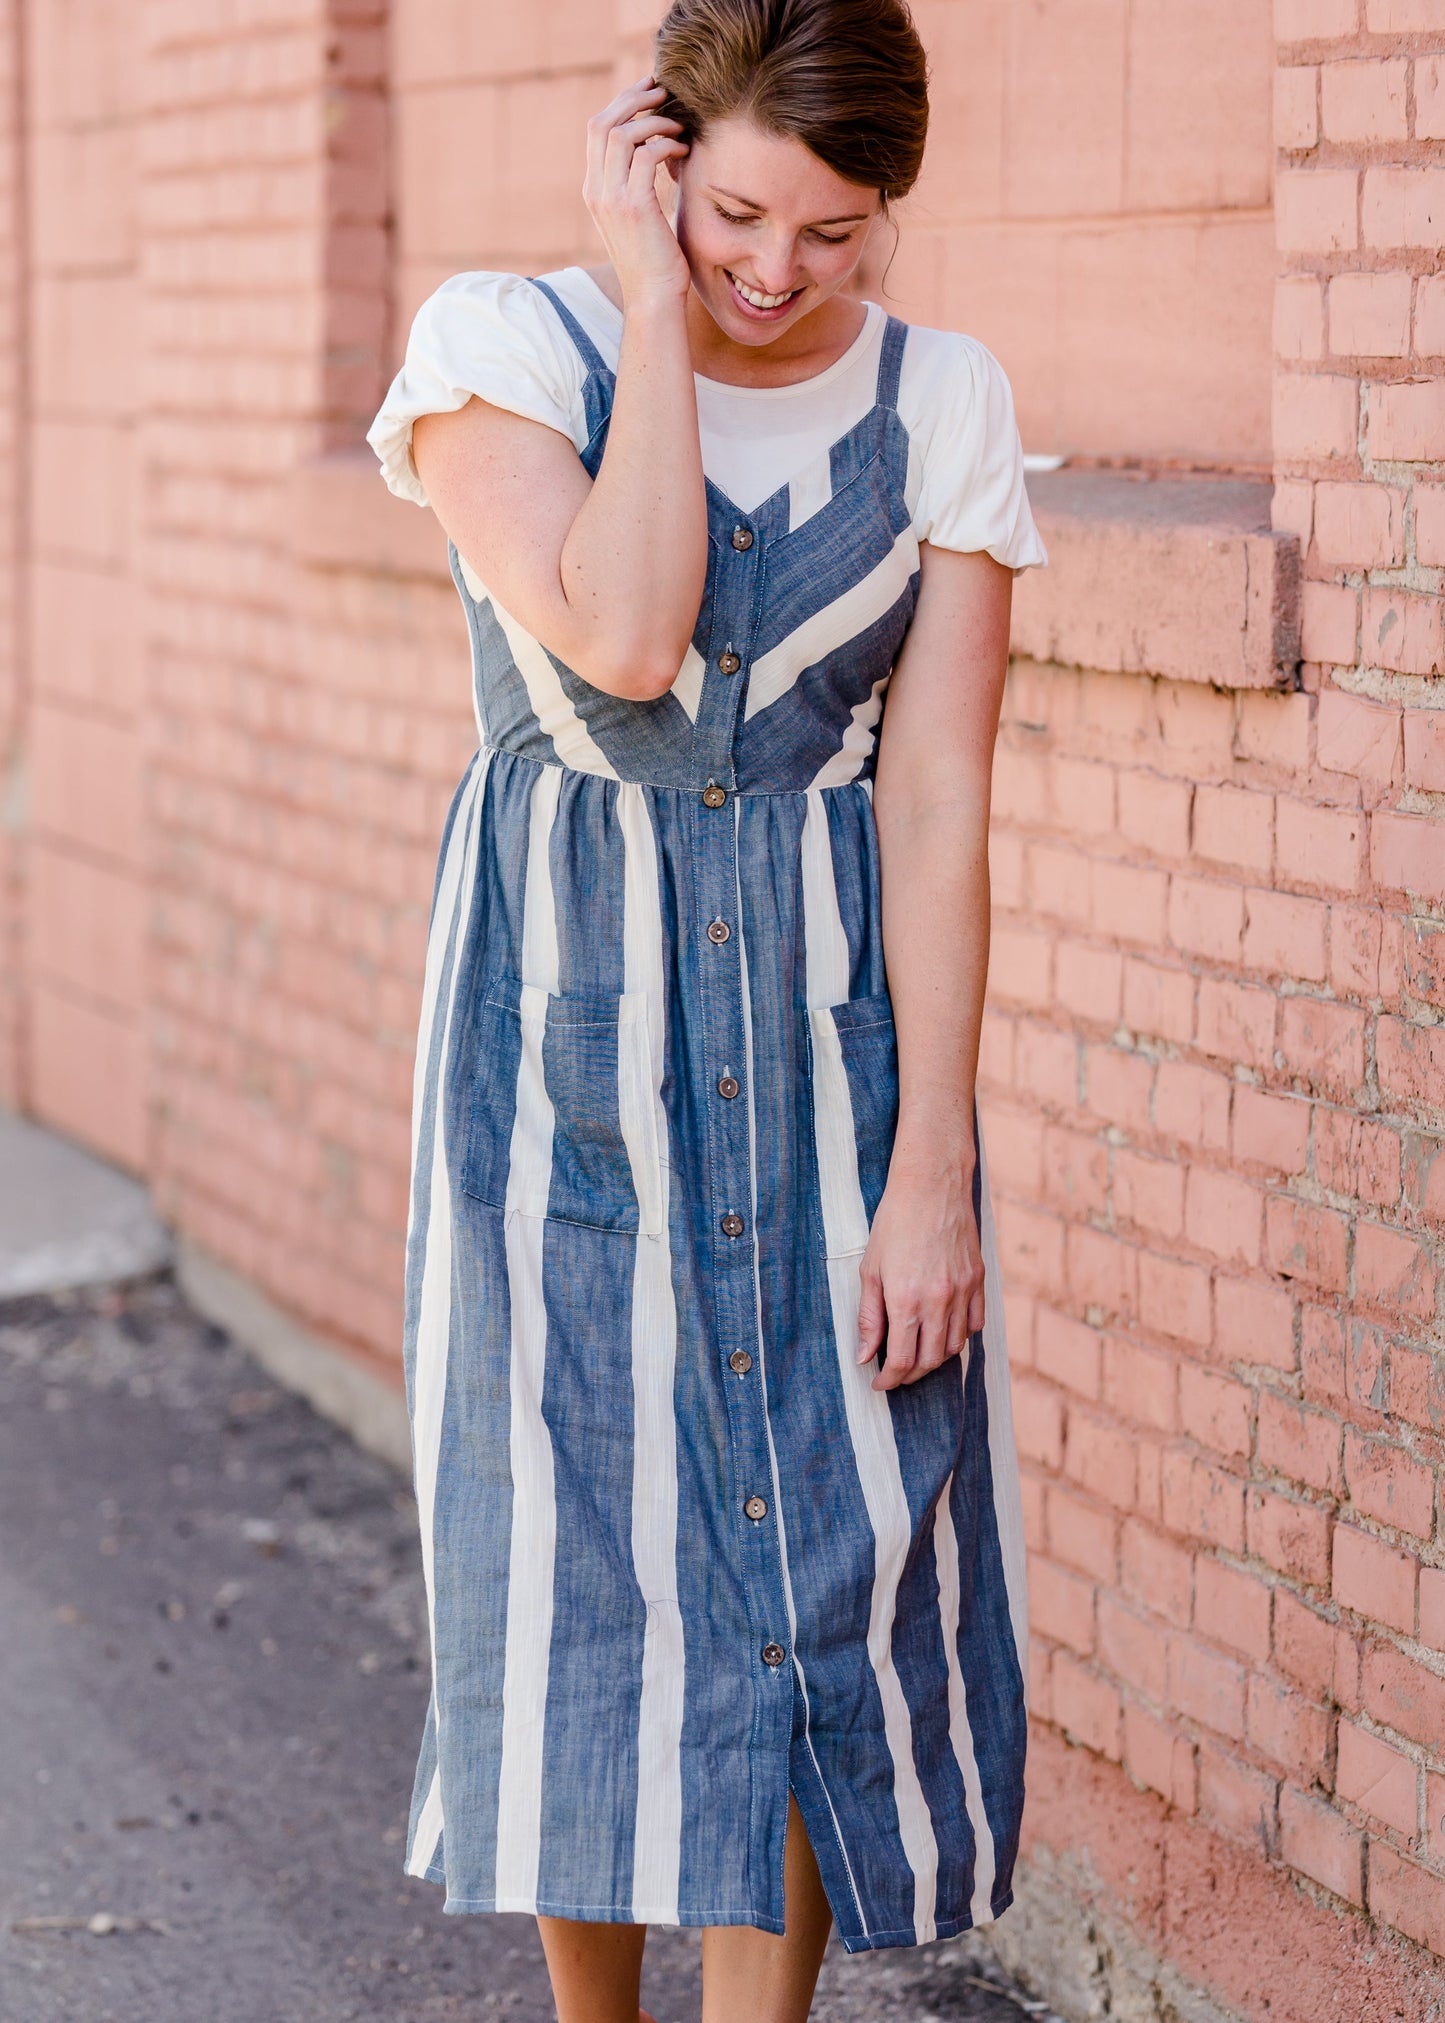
609 1914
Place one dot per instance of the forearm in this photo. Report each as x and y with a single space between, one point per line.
935 889
634 561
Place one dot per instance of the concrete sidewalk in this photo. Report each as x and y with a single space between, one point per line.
212 1685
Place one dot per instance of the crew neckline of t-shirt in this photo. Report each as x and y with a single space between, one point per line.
872 322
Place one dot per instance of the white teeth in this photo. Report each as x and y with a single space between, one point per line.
759 300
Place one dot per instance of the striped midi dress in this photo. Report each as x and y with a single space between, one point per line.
680 1557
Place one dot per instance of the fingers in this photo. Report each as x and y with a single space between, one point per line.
872 1316
902 1354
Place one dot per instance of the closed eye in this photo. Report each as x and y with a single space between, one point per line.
824 238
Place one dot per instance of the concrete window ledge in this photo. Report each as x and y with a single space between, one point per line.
1174 576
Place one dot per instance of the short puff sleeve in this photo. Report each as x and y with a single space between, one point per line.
494 335
967 456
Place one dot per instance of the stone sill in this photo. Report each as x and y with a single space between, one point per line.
1174 576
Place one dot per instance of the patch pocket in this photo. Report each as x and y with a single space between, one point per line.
562 1114
853 1055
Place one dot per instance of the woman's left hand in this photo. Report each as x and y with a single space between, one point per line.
921 1278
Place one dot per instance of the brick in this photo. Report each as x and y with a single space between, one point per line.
1292 511
1330 623
1174 1299
1400 1693
1149 1193
1359 738
1273 730
1089 981
1403 17
1356 1156
1285 936
1297 1442
1271 1131
1389 1485
1232 1608
1320 847
1312 20
1236 1022
1224 1215
1102 1272
1394 1270
1101 1458
1075 1170
1364 102
1236 1797
1323 1043
1059 882
1360 526
1407 1896
1303 1242
1356 946
1432 1608
1254 1324
1410 1061
1119 1084
1315 417
1299 317
1215 1410
1430 526
1369 315
1048 1065
1128 901
1206 919
1154 812
1038 1422
1425 746
1133 1649
1158 1001
1159 1758
1316 210
1141 1384
1287 1729
1081 796
1417 1386
1424 961
1068 1352
1086 1707
1192 1105
1435 1816
1207 1687
1020 966
1403 207
1304 1644
1289 1535
1061 1606
1430 316
1429 98
1157 1572
1402 631
1376 1580
1081 1535
1203 1502
1378 1779
1405 419
1235 826
1315 1840
1296 110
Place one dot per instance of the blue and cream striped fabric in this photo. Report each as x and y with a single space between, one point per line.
679 1556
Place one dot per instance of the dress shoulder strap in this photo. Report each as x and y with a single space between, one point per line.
890 361
591 357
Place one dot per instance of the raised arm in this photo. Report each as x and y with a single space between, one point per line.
608 575
922 1274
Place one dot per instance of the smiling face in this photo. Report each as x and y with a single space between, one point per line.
769 230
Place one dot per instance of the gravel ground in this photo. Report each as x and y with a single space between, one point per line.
212 1685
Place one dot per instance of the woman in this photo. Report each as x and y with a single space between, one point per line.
709 1397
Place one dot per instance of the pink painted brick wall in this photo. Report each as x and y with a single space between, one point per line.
12 666
1213 1063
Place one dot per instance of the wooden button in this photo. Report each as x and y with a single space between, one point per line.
756 1509
742 539
732 1225
713 795
740 1362
727 1087
773 1654
728 663
718 931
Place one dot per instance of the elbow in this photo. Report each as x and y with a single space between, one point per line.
644 676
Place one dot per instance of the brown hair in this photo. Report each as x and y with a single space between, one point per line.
848 78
